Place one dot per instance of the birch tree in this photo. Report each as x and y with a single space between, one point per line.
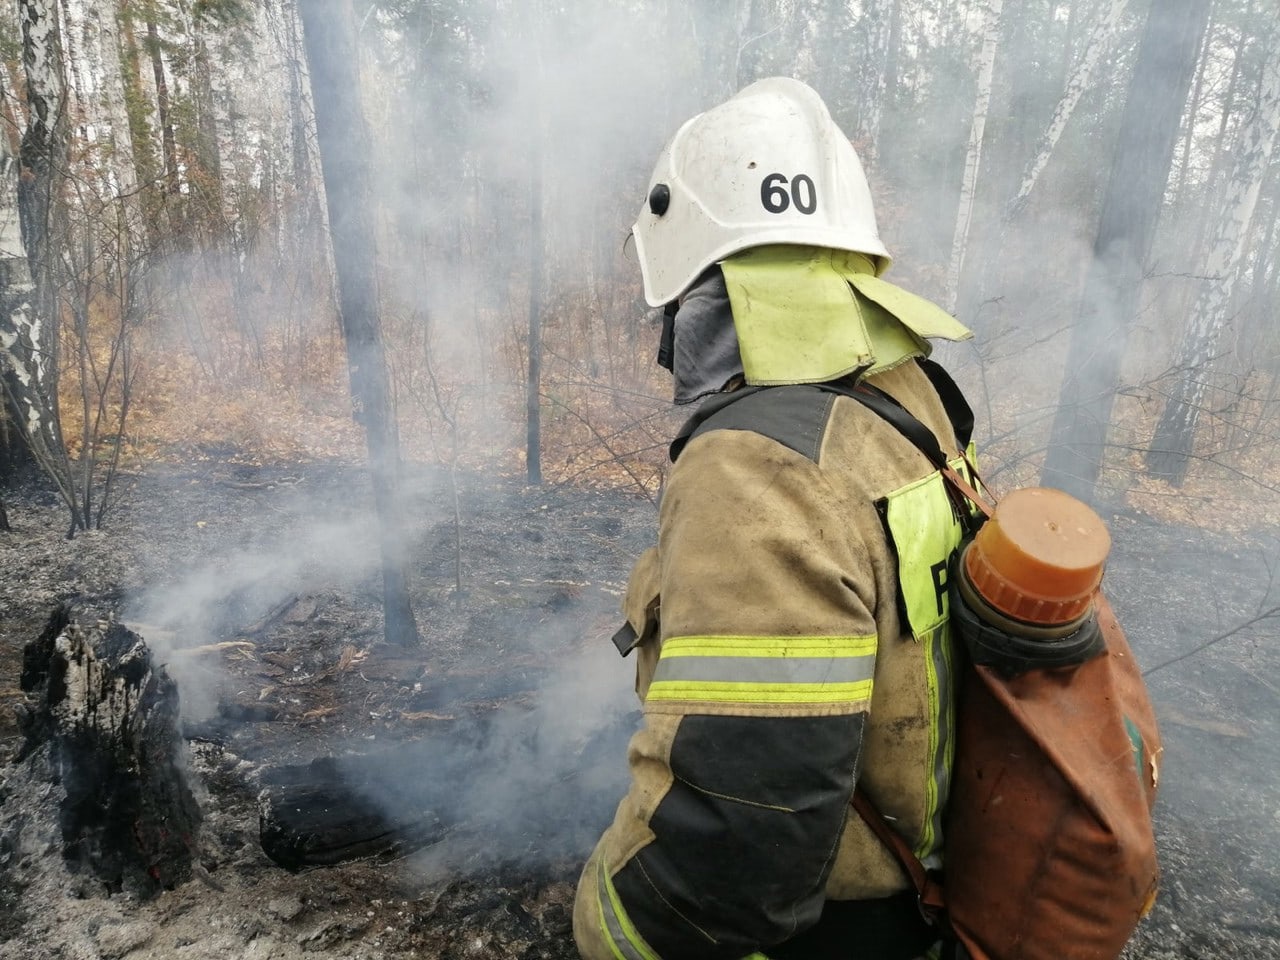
1174 438
876 23
19 376
973 154
1136 185
1099 42
104 43
28 332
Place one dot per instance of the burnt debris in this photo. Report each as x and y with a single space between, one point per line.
101 725
488 783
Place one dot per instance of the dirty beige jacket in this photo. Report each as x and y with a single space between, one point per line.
791 637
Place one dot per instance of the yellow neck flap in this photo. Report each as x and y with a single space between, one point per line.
812 314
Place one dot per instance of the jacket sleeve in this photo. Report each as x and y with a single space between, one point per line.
743 771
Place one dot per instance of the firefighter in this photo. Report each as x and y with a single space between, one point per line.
791 627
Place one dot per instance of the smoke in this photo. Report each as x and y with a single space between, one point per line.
500 780
530 787
285 554
476 119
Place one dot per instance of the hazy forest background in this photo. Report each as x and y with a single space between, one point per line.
1090 185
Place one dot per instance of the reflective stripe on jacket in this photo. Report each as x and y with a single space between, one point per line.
793 639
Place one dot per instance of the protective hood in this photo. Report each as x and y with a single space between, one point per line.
705 356
809 315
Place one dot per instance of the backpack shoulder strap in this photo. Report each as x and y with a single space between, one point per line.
902 420
896 415
953 400
932 899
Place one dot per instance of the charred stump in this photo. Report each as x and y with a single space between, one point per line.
101 725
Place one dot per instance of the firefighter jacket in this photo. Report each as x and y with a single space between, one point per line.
792 638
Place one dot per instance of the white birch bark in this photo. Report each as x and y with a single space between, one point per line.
15 276
27 342
102 38
79 102
10 233
973 157
876 16
1175 433
1100 40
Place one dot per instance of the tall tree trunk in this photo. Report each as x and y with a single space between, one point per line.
28 328
1174 438
976 285
1131 209
892 56
758 25
1266 255
107 103
1213 185
16 310
137 104
533 396
973 156
876 23
74 66
207 182
329 37
1193 112
716 49
164 114
15 284
1069 39
1100 40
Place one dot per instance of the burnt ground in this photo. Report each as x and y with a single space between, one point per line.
257 588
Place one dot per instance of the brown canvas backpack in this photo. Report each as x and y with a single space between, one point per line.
1050 852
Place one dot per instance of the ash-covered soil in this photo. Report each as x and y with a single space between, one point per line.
258 588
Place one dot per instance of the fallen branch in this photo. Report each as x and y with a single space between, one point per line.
1199 648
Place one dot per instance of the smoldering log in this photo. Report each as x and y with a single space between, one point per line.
101 725
490 779
336 809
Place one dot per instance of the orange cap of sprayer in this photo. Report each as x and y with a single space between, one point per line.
1039 558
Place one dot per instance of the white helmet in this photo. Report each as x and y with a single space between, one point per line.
767 166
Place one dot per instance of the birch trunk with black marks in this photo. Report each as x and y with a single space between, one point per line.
1174 439
28 331
1193 112
16 289
164 115
973 155
977 286
328 28
206 179
138 97
102 37
1214 179
1081 79
876 22
1149 129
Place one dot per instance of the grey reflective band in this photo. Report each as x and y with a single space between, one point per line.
613 923
940 651
767 669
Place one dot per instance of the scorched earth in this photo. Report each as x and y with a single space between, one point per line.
471 775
